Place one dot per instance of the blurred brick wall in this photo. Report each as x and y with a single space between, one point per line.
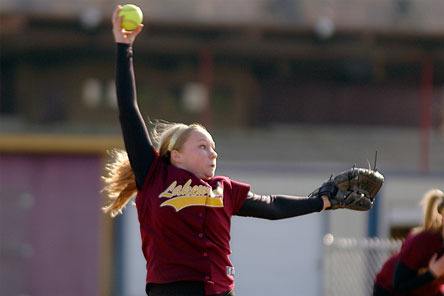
50 225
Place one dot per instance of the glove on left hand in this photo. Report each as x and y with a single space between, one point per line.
354 189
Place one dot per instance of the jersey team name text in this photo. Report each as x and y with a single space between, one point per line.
182 196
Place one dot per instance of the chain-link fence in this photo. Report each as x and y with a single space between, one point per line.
350 264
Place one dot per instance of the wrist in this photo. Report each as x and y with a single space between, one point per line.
433 272
327 203
122 41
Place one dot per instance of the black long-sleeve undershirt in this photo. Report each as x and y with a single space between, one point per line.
135 134
407 280
141 152
274 207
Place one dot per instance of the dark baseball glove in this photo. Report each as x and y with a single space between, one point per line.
354 189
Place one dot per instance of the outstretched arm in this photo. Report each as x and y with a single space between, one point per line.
135 134
276 207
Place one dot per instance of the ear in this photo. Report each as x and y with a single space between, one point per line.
176 157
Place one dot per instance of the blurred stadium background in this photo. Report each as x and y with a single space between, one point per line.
293 90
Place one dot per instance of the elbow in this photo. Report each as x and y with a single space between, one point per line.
275 215
268 215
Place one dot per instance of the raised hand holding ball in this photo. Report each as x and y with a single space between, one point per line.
132 16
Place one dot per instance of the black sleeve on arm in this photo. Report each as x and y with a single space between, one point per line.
135 134
276 207
406 279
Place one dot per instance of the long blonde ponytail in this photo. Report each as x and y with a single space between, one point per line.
120 183
431 204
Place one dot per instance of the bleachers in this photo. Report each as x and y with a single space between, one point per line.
387 16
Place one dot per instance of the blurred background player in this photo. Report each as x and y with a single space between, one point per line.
418 268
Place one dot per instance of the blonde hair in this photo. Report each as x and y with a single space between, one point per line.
120 183
432 204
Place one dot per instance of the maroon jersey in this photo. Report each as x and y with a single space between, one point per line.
384 278
416 252
185 226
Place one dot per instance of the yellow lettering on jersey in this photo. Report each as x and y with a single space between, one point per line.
168 192
180 197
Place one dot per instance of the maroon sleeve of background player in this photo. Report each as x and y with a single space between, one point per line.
418 249
411 252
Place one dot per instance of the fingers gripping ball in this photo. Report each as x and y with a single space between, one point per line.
132 16
353 189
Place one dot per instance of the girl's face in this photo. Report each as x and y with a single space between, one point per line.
197 155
